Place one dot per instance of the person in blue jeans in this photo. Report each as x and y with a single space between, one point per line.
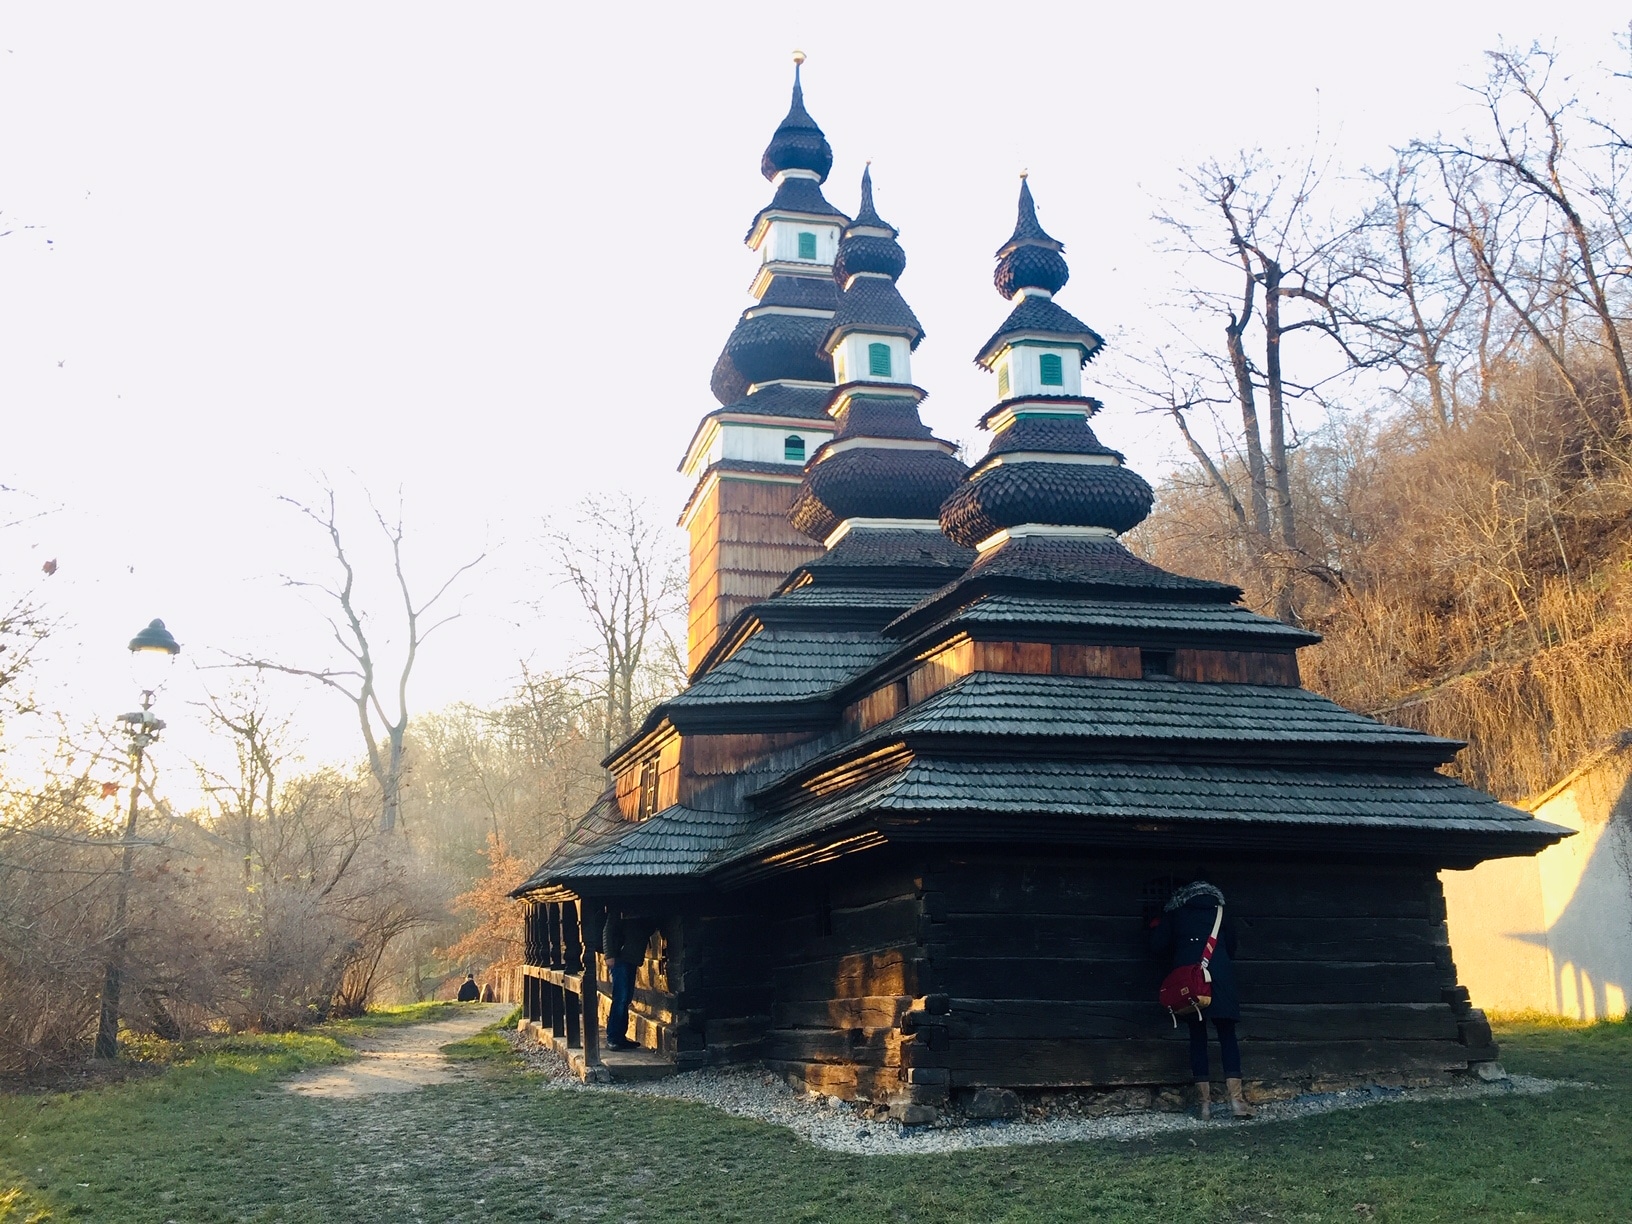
623 943
1181 933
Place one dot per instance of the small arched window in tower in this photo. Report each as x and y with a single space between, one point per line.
793 448
878 360
1003 381
1050 371
807 245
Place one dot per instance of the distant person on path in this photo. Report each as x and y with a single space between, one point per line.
1181 933
469 992
623 943
488 995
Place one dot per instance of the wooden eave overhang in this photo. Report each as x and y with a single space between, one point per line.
653 734
1438 848
738 469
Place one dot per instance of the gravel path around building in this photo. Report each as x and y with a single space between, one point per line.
838 1126
400 1059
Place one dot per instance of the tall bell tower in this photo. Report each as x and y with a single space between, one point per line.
772 380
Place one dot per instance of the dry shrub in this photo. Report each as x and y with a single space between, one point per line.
1471 581
282 924
53 924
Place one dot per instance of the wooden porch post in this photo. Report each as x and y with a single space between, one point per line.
591 995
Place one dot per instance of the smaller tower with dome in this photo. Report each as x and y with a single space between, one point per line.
884 470
1045 474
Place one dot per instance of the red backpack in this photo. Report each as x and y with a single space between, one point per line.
1189 988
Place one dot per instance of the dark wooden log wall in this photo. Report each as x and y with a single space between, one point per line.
903 982
848 963
1042 975
657 1018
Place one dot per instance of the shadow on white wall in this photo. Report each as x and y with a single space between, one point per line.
1553 933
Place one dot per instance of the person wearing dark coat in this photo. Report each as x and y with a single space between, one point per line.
623 943
1181 935
469 992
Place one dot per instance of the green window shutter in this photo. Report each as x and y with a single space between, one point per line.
807 246
878 360
793 448
1052 373
1003 381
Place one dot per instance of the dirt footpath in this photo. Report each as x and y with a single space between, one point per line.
400 1060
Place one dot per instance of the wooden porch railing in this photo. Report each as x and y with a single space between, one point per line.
558 1003
559 988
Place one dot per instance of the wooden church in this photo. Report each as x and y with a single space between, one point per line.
947 743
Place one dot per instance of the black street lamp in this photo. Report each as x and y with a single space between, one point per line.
152 651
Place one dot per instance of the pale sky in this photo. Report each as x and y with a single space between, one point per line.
489 253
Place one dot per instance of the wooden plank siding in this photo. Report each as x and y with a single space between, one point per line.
628 781
1277 667
742 547
964 656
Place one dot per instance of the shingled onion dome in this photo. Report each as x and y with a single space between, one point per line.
1030 259
797 143
884 470
869 247
778 340
1046 474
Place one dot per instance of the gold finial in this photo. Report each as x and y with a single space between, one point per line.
798 57
869 161
1023 175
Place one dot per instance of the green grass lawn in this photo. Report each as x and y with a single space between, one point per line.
214 1138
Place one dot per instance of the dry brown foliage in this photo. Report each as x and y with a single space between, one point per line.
492 946
1475 582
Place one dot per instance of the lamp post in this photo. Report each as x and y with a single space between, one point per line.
151 651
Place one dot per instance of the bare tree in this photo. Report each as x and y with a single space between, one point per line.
1273 276
360 679
620 563
247 799
1405 290
1558 218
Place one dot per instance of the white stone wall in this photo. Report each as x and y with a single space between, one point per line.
1553 933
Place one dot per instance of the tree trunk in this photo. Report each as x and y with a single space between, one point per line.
1252 436
1274 387
391 784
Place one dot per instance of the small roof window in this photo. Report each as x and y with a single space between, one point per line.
807 245
793 448
878 360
